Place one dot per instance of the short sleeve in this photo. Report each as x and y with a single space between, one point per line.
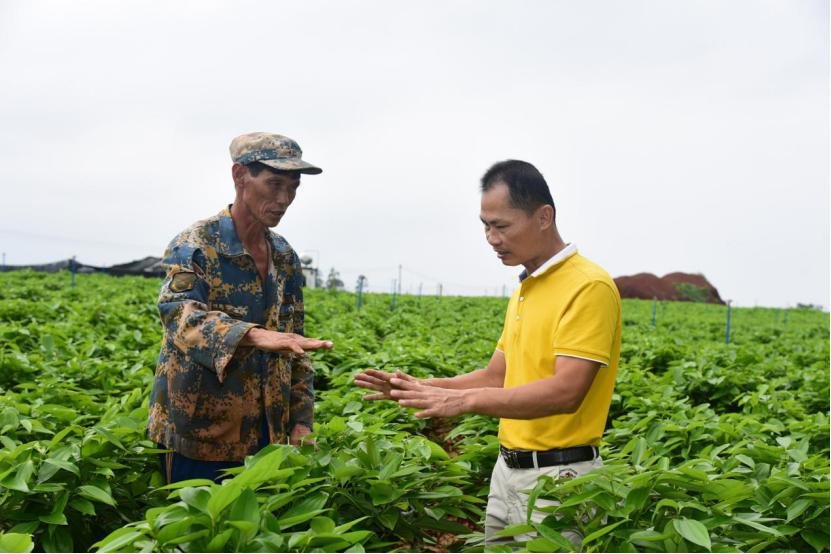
500 344
589 325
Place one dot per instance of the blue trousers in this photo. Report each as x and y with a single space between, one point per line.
176 467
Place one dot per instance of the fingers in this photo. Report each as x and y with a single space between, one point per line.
416 403
379 396
378 374
296 348
315 344
401 375
404 384
370 380
368 385
406 394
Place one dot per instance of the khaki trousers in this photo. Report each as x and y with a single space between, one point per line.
508 505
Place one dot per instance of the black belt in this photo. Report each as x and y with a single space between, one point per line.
525 459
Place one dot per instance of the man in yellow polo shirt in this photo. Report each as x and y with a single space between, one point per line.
551 376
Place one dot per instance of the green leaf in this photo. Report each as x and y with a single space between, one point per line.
756 525
217 544
817 539
389 518
636 499
796 509
19 480
391 465
555 537
746 460
304 510
600 532
117 539
382 493
540 544
188 483
542 482
246 508
16 542
54 519
196 498
515 530
83 505
693 530
221 497
51 466
94 493
322 525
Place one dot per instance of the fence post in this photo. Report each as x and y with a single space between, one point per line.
361 280
439 291
727 331
654 310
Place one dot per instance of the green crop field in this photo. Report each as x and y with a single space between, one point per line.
709 446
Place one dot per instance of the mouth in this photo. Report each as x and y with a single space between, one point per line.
501 254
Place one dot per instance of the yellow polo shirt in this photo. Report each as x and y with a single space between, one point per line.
568 307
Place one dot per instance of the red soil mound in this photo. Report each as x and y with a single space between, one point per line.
648 286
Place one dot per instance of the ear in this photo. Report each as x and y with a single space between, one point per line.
239 172
545 217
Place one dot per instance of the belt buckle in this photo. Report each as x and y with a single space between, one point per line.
511 458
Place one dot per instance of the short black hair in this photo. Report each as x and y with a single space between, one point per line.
527 189
255 168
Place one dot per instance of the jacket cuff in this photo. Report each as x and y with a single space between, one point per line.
227 344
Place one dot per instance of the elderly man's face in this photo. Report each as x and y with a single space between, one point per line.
268 195
514 234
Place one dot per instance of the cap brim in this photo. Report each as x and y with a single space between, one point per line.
293 165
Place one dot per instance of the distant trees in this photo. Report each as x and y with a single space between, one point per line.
692 293
333 281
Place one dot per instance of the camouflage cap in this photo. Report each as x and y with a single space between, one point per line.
272 150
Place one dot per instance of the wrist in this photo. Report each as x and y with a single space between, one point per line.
254 336
470 400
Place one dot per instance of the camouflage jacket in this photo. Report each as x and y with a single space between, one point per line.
209 393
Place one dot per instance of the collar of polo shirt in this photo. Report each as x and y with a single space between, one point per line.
569 250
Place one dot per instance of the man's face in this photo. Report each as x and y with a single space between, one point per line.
268 195
514 234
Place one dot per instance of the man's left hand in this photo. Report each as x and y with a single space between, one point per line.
433 401
298 433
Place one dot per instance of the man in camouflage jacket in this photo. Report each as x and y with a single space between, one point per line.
232 374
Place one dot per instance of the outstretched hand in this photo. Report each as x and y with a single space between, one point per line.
433 401
273 341
380 381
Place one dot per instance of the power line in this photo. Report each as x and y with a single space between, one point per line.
76 240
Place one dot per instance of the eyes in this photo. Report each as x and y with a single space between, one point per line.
276 186
498 227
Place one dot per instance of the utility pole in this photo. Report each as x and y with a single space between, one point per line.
399 279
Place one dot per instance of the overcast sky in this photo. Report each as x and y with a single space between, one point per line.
675 136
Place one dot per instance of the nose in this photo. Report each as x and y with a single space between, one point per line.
283 198
493 238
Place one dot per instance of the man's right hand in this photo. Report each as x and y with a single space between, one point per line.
377 380
273 341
